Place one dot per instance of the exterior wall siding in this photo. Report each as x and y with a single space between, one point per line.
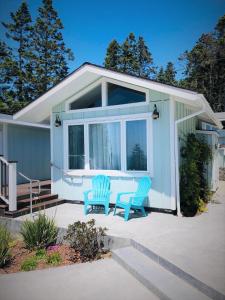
72 188
30 147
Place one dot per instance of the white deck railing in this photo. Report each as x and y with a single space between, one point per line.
8 175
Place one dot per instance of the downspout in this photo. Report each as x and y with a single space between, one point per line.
177 172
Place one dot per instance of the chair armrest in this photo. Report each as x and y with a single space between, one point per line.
139 199
86 193
122 194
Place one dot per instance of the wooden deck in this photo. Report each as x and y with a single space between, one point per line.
42 200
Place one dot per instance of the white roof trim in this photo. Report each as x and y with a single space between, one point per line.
15 122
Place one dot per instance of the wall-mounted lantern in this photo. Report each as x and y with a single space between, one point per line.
155 114
58 122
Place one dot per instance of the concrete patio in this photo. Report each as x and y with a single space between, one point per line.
196 245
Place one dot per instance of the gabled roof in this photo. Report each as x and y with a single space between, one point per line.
39 110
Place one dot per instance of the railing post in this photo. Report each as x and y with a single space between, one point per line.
12 186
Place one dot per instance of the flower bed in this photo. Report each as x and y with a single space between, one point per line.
38 248
19 254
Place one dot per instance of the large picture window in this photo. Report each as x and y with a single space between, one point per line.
117 145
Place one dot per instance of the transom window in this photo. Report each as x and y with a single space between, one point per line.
122 144
91 99
107 93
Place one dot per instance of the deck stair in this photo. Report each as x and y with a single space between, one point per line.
42 200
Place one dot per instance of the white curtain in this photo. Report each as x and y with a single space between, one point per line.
104 146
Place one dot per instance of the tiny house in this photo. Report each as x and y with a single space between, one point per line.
123 126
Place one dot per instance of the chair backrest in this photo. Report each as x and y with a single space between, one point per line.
100 186
144 186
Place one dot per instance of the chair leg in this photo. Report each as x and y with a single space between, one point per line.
143 211
106 210
85 209
126 213
114 212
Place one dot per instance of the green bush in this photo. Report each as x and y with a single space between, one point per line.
86 238
29 264
5 239
54 258
41 254
40 233
195 154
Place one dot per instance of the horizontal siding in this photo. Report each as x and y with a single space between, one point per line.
73 188
31 148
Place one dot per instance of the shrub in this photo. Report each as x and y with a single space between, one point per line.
5 239
39 233
54 258
29 264
86 238
41 254
195 154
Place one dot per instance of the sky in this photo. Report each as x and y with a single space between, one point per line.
169 27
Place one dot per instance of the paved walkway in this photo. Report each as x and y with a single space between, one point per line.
100 280
197 245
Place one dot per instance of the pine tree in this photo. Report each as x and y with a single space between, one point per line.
131 57
144 59
20 32
50 50
161 75
112 59
170 74
205 66
128 59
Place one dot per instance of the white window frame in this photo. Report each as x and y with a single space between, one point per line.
122 120
104 105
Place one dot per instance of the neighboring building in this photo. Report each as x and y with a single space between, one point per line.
106 122
28 144
221 117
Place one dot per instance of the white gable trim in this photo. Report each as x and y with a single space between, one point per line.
192 98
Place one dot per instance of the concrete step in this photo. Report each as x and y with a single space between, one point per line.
160 281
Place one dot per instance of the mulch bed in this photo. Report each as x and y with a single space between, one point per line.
19 253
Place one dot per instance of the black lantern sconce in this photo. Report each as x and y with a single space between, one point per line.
155 114
58 122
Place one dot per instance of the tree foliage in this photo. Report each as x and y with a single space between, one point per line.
205 66
50 52
131 57
195 154
37 59
19 30
168 76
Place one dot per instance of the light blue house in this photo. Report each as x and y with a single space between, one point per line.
106 122
28 144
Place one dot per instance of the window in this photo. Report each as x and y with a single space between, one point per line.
76 147
117 144
91 99
118 95
136 145
104 146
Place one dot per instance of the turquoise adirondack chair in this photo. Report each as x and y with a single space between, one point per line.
100 193
136 199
